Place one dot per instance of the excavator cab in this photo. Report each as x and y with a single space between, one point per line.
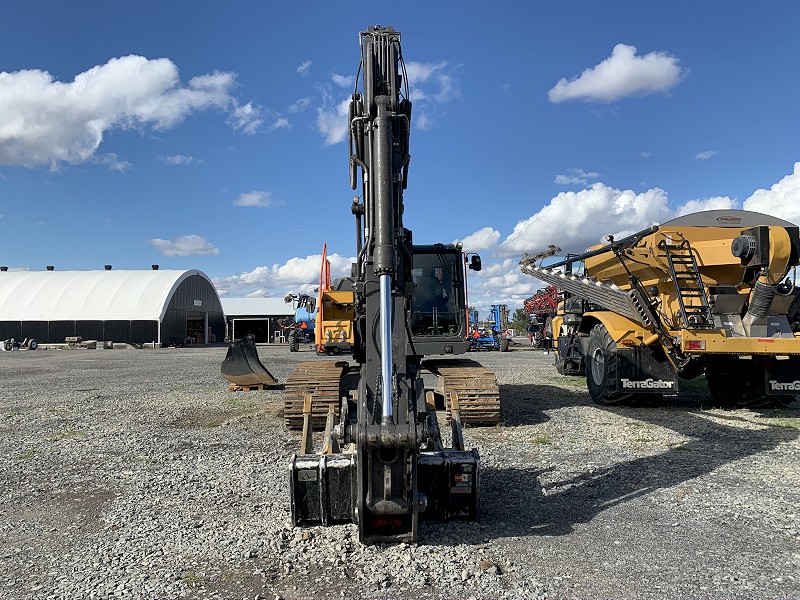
438 306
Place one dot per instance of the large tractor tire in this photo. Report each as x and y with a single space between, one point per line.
294 343
602 361
537 340
736 383
504 344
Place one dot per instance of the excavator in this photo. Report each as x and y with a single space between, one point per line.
711 293
384 464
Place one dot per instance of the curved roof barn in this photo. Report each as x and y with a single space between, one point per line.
109 296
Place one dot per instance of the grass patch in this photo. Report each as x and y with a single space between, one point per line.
28 454
193 580
542 440
791 422
138 459
680 494
65 434
565 381
242 399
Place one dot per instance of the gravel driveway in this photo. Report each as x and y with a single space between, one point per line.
137 474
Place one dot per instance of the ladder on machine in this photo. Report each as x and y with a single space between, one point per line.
695 312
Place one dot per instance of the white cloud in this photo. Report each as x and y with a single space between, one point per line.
185 245
481 240
246 118
645 154
332 122
297 275
304 69
44 121
713 203
180 160
422 120
280 123
781 200
112 161
577 176
620 75
258 199
300 105
345 81
500 283
419 73
706 155
576 220
431 83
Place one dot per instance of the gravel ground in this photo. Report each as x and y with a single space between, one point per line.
137 474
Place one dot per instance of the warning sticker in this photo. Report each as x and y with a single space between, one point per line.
307 475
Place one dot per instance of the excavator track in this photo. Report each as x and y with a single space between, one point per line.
476 386
322 379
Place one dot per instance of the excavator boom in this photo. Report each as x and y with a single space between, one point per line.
395 467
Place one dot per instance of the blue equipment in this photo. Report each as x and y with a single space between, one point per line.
301 328
491 334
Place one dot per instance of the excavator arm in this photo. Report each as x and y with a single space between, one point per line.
395 466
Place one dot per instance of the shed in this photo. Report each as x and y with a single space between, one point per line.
258 316
161 306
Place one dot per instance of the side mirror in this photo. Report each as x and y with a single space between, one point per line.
475 262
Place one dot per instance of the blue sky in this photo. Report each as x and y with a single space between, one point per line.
210 136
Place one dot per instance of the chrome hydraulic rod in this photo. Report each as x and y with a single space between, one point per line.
386 346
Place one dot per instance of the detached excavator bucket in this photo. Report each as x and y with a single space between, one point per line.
242 366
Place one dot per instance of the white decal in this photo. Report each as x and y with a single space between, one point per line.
777 386
647 384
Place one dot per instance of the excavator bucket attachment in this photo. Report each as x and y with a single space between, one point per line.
242 366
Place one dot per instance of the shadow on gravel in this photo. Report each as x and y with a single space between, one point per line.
514 502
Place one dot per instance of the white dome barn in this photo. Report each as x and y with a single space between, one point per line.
162 306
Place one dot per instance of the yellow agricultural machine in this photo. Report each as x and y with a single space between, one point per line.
710 292
333 329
